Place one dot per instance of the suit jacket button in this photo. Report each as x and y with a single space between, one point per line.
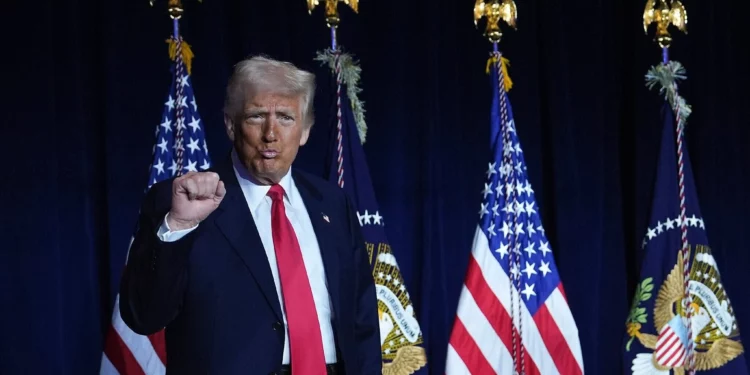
277 326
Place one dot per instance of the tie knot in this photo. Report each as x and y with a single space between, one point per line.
276 193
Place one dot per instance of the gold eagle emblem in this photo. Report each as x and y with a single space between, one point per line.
713 342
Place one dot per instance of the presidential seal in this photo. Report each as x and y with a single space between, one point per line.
713 322
400 335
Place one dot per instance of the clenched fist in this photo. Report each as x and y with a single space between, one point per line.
194 196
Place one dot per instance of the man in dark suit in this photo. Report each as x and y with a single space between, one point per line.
255 268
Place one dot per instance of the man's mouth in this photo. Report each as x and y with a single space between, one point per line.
269 154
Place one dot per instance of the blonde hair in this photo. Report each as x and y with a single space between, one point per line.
263 74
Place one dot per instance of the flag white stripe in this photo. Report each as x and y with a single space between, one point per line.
563 317
140 346
454 365
532 339
480 329
107 368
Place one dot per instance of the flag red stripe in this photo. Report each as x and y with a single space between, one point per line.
119 354
496 314
159 344
555 342
467 349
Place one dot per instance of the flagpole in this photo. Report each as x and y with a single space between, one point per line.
665 13
495 11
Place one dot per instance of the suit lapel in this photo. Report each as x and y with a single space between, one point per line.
325 233
236 223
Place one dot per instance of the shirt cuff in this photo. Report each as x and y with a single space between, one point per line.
167 235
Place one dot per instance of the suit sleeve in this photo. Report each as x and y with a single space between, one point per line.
155 277
366 329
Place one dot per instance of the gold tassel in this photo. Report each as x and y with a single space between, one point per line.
507 82
187 53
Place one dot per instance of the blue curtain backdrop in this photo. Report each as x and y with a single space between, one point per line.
83 87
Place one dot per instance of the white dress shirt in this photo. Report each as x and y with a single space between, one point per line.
260 207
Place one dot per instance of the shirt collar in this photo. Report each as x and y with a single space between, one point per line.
255 192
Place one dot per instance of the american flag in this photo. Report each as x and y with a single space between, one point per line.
512 312
180 148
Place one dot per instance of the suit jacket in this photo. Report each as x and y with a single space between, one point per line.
214 292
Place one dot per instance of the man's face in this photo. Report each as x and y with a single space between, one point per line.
268 134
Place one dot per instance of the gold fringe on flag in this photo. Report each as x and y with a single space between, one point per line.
187 53
507 82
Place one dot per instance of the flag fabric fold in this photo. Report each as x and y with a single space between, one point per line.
400 335
180 147
657 335
512 312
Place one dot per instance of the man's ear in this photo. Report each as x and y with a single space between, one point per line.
305 136
229 125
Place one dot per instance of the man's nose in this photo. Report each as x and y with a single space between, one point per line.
269 130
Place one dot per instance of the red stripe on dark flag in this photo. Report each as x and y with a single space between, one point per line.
160 346
119 354
467 349
495 312
555 342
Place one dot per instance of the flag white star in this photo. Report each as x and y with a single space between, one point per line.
193 145
494 209
167 125
530 249
195 124
159 166
528 291
498 190
530 208
528 188
529 270
195 105
659 227
205 147
491 170
514 271
544 248
506 229
545 268
503 250
170 103
366 217
651 233
376 218
491 230
669 224
184 81
163 145
530 228
483 210
173 168
206 165
191 167
183 102
487 190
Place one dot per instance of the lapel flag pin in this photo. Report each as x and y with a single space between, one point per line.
325 217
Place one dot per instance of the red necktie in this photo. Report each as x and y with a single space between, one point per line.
305 340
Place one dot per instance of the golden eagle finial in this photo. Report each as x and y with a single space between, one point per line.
495 10
332 12
665 13
175 8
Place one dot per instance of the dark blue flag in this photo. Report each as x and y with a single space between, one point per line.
656 341
400 335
